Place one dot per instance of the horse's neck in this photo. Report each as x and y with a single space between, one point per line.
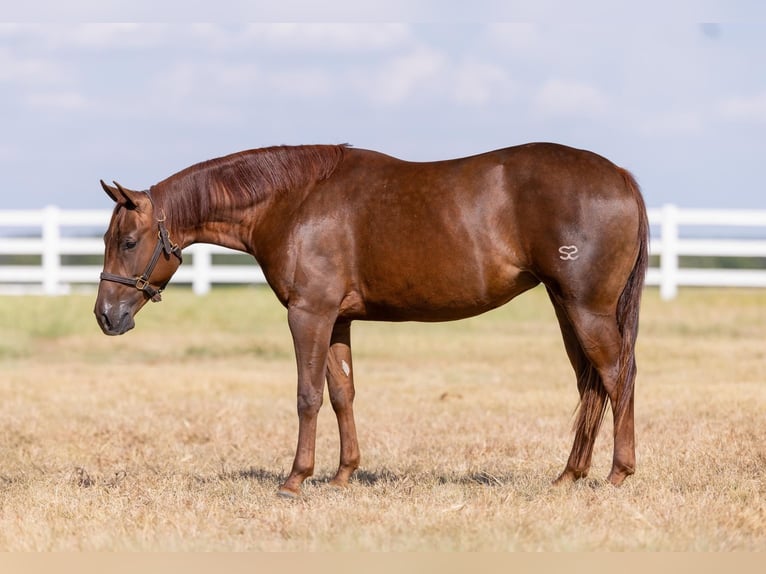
234 212
225 235
225 226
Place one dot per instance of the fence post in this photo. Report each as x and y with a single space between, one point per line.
202 265
669 253
51 258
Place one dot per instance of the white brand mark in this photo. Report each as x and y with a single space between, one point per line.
568 252
344 365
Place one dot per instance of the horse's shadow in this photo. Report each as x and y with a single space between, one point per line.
253 474
378 478
385 476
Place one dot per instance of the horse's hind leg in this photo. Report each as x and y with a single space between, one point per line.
592 400
340 384
599 340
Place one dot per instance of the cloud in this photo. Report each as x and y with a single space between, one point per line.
403 76
57 101
300 37
207 90
8 153
478 83
569 98
115 35
217 89
91 35
745 108
27 71
238 10
672 123
333 37
301 83
522 38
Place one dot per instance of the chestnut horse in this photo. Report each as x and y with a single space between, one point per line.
343 234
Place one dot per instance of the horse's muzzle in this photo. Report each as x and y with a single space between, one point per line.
115 321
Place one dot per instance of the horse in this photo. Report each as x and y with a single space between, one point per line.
344 234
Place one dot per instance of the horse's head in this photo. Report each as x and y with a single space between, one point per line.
139 259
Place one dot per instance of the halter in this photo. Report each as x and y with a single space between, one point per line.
142 283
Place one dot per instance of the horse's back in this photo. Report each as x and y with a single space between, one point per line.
516 195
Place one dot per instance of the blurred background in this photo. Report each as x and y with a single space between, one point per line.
135 92
678 100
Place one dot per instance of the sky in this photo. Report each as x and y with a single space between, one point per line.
136 94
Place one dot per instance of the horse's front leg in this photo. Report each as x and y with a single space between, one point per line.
311 336
340 384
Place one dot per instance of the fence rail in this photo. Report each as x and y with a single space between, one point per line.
670 245
47 234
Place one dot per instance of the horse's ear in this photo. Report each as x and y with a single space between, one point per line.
124 196
112 192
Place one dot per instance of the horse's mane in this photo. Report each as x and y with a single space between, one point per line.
243 179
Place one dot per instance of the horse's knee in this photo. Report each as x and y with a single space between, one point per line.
309 402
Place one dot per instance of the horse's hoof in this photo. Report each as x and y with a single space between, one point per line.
617 479
568 477
563 479
338 484
288 494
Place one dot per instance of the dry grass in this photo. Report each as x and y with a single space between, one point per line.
175 436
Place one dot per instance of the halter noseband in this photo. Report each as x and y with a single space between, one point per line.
142 282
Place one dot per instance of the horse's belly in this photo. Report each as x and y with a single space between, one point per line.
422 296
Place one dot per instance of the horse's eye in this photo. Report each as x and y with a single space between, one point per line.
129 244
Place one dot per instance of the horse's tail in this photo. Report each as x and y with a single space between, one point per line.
593 395
629 304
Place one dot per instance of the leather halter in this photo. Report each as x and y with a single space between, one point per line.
142 282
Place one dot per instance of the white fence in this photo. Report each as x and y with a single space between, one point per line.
47 234
48 240
671 244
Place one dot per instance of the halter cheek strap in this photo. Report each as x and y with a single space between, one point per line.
164 244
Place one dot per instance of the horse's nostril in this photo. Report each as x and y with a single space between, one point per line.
105 322
124 323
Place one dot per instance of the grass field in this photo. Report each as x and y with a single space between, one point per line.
176 435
